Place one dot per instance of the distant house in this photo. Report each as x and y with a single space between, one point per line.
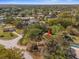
31 21
28 20
51 16
23 18
40 16
1 19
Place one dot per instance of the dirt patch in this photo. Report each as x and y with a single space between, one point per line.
37 56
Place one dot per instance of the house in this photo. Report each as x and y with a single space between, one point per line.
40 16
28 20
51 15
1 19
32 21
9 28
22 17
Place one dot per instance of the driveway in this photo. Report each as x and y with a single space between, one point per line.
13 43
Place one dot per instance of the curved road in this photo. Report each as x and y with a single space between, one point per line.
13 43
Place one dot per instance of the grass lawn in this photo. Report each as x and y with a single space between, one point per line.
6 35
24 40
19 31
76 40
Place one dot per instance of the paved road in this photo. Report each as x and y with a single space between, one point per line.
76 51
13 43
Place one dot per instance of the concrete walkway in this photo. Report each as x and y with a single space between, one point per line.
13 43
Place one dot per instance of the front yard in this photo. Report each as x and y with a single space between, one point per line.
6 35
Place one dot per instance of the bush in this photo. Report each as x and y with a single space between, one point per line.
1 35
53 21
11 34
56 28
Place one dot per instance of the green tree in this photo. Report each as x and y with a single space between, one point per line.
9 53
58 48
32 32
9 19
56 28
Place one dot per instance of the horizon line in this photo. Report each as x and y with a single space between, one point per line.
40 4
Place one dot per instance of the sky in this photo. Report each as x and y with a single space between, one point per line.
39 1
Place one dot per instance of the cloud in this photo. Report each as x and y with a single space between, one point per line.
64 1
